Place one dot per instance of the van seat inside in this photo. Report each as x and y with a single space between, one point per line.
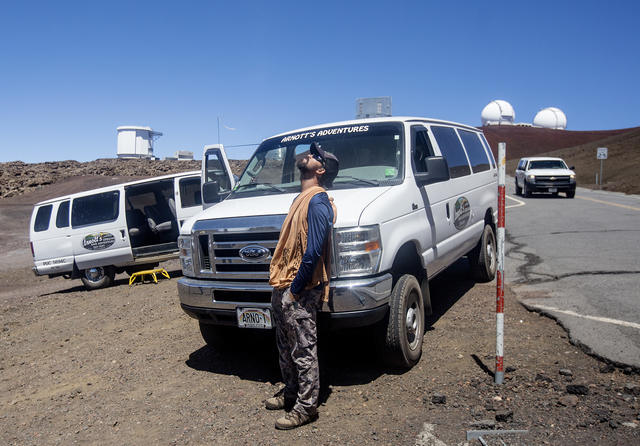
159 220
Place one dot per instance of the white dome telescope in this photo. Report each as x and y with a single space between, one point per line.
498 113
551 118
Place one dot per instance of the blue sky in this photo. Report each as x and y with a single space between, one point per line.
71 72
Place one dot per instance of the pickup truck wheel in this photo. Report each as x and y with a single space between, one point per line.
224 337
527 191
399 340
483 259
98 277
571 194
518 189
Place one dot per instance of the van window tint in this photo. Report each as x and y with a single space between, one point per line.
95 209
486 146
452 151
421 149
62 217
475 151
215 171
42 218
190 195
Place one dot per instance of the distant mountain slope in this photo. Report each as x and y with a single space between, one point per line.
621 171
531 141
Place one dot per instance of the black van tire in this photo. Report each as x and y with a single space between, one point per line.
399 335
483 259
224 337
98 277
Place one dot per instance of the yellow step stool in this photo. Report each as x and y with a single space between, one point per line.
152 272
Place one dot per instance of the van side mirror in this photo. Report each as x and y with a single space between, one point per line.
572 168
211 192
437 171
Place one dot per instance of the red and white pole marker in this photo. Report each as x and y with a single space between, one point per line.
502 162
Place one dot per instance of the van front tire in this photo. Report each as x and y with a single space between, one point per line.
399 336
98 277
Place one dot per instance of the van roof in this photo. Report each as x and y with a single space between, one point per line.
107 188
376 120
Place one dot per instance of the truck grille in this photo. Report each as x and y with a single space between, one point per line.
219 242
552 179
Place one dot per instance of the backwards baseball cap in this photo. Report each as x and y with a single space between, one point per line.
331 164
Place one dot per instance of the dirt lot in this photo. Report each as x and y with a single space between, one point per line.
125 366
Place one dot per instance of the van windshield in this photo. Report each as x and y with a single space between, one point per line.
370 155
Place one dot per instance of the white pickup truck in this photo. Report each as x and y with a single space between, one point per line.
413 196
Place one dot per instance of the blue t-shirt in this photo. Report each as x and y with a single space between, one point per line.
320 219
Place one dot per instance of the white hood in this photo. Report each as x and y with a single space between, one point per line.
350 204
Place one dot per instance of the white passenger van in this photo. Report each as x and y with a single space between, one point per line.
413 196
127 227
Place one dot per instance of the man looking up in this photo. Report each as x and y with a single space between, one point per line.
299 274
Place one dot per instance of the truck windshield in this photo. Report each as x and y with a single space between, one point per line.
547 164
370 155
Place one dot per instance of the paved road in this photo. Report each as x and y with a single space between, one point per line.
578 261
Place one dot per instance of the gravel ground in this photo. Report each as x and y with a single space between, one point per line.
125 366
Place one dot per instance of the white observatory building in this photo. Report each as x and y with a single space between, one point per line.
136 142
498 113
551 118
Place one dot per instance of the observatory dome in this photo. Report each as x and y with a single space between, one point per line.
551 118
498 113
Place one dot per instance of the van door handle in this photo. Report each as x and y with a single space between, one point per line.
448 212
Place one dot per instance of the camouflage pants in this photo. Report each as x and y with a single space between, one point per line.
297 344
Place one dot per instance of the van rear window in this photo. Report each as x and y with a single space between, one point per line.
94 209
62 217
477 154
42 218
190 192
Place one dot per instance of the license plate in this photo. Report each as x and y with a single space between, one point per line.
553 189
254 317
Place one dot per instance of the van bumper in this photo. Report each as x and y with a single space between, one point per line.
352 302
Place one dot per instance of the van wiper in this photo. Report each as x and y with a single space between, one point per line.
242 186
372 182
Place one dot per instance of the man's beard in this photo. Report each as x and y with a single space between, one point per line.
303 166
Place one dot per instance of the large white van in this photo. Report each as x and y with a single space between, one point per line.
413 196
127 227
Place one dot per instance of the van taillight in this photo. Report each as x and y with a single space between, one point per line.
32 253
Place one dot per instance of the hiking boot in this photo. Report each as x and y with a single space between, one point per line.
294 419
279 401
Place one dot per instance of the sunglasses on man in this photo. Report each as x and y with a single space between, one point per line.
318 158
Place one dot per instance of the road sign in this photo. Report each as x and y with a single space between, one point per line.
602 153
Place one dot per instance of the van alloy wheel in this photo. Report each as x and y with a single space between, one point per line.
98 277
399 336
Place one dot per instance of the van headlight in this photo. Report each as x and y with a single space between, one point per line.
358 251
186 255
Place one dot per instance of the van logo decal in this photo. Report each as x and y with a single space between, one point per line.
254 253
96 242
461 213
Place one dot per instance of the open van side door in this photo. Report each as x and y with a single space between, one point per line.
217 178
188 191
